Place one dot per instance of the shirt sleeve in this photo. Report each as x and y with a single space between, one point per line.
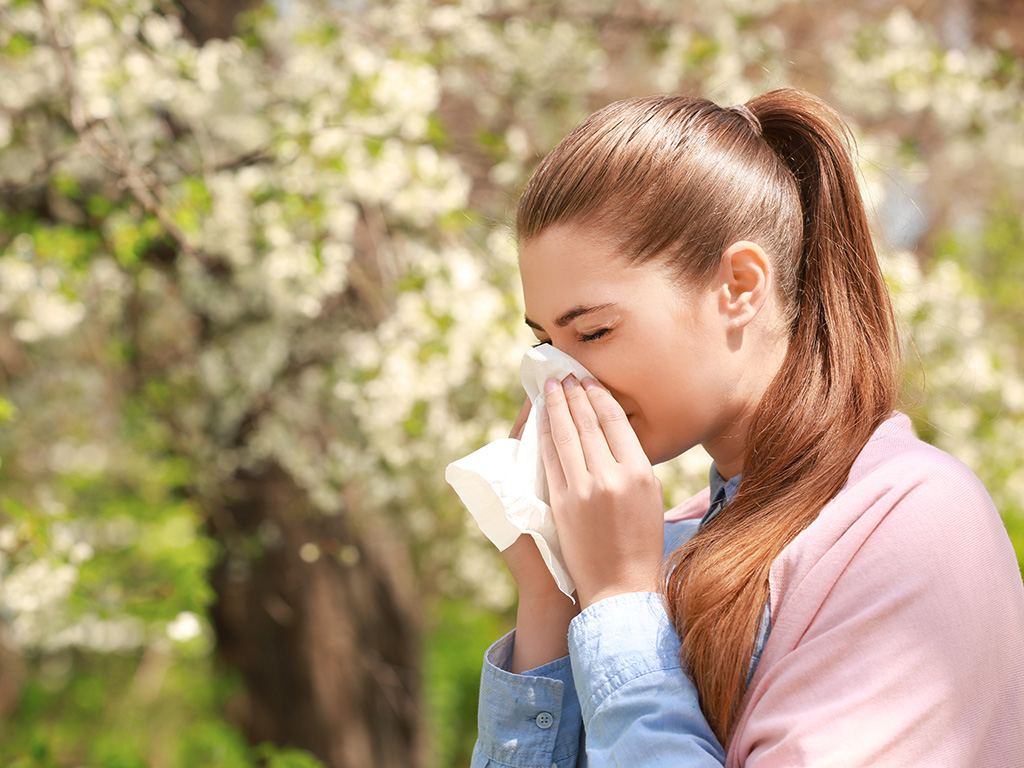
530 720
640 713
638 705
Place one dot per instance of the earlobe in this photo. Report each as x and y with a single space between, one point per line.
746 280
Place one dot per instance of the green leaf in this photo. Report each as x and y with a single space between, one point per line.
278 757
18 46
8 411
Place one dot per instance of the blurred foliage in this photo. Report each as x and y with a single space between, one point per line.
291 246
991 253
461 633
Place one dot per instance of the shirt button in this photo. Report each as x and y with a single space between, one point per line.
545 720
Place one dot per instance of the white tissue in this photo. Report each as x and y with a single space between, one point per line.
503 484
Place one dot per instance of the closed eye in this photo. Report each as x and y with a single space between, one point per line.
595 335
583 337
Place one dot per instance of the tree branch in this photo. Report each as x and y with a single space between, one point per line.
113 152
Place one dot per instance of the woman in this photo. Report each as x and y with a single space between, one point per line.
843 594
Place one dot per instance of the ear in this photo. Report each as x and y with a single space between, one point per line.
746 278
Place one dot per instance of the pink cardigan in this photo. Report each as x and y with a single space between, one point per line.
897 624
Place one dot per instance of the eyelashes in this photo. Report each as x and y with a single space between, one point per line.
583 337
595 335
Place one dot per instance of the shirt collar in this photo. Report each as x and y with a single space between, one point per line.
717 484
722 492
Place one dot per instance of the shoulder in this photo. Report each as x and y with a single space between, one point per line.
896 462
907 506
908 573
901 485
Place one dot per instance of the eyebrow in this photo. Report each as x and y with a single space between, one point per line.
569 316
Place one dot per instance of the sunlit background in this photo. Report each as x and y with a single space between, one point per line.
257 289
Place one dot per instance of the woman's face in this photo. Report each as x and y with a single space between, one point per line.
662 350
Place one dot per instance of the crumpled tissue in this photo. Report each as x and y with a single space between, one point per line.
503 484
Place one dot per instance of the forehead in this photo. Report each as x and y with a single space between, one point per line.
564 258
565 267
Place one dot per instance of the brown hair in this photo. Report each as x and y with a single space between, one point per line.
680 179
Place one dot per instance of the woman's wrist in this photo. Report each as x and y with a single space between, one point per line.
640 583
542 630
549 605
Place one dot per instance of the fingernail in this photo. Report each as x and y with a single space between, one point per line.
589 383
570 381
551 385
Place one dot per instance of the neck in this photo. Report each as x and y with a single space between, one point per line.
729 448
754 374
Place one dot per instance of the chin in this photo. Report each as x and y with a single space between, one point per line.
659 454
656 459
655 454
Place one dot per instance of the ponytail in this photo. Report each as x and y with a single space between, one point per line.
837 383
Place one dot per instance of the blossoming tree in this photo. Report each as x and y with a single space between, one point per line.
257 289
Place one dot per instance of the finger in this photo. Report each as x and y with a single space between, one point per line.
549 454
592 438
622 440
564 435
520 422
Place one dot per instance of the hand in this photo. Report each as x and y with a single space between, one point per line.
605 497
533 579
520 422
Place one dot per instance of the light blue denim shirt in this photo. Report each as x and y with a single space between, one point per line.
621 696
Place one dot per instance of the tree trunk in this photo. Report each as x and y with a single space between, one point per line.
12 677
212 19
316 614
